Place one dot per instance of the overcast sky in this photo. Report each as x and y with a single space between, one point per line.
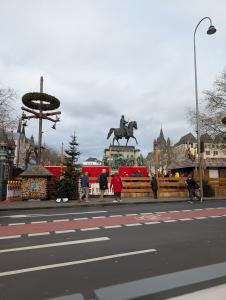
105 58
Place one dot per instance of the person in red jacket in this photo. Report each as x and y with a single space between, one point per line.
116 185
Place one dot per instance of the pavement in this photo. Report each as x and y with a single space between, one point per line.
157 251
93 202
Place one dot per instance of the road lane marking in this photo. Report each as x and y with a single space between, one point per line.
39 233
49 215
38 222
185 219
61 220
200 218
131 215
186 210
13 224
9 237
75 262
100 217
150 223
173 211
115 216
215 217
56 244
78 219
113 226
146 213
130 225
64 231
90 228
170 221
160 212
198 209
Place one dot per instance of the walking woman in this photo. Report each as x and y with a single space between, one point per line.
116 185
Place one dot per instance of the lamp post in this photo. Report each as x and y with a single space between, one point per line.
211 30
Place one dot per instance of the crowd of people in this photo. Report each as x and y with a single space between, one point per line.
116 185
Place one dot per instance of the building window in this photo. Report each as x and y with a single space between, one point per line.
207 152
215 153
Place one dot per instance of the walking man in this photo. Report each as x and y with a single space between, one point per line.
85 187
154 186
103 184
192 186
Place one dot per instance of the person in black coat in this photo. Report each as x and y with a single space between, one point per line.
62 192
192 186
154 186
103 184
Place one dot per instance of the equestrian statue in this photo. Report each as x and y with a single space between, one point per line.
125 131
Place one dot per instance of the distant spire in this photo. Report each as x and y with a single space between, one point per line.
161 133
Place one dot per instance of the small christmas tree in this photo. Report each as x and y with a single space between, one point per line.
72 173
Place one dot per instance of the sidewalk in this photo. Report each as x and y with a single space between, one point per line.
20 205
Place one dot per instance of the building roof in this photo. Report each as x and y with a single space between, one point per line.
187 163
188 138
36 171
91 159
206 138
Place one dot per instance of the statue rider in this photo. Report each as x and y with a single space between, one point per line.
123 126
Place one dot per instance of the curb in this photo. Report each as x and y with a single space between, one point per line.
79 205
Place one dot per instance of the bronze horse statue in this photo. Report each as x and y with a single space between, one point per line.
127 133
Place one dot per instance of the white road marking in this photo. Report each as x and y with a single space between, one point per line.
113 226
208 208
12 224
130 225
185 219
90 228
75 262
173 211
131 215
49 215
200 218
160 212
75 219
9 237
100 217
38 222
64 231
215 217
56 244
198 209
186 210
170 221
146 213
223 215
150 223
39 233
61 220
115 216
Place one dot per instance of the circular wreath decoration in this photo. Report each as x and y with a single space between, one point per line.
48 102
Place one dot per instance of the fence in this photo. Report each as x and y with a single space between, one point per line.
13 191
140 187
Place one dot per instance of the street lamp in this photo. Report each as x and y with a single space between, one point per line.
211 30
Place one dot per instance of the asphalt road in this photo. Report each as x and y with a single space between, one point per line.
59 252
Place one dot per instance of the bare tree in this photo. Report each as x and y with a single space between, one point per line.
213 108
8 116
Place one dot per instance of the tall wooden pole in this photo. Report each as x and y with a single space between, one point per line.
40 126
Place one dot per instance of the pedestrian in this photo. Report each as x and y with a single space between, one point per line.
154 186
85 187
192 186
62 193
116 185
103 183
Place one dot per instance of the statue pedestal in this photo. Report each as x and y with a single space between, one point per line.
122 156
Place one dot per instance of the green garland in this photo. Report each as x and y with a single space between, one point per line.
30 98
